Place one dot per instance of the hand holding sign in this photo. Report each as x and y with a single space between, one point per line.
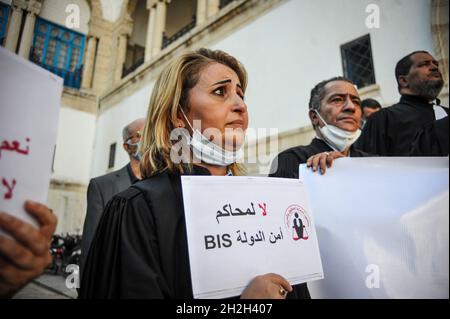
268 286
26 255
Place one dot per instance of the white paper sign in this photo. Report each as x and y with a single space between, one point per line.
30 101
383 227
242 227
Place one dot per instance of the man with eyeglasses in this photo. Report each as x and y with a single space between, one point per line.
102 188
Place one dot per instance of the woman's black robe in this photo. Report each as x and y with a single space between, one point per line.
140 248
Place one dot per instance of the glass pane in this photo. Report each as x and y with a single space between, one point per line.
74 59
42 27
39 42
38 46
77 40
37 54
62 56
50 52
54 32
66 36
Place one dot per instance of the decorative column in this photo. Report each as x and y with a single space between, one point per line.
160 25
102 78
213 7
15 21
202 8
121 55
105 35
88 68
123 32
151 5
34 7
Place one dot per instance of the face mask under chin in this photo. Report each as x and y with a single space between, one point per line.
209 152
337 138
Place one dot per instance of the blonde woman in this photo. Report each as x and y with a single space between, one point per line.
140 249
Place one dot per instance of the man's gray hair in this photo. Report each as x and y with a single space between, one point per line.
129 130
126 132
318 92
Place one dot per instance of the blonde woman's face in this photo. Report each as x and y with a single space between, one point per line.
218 102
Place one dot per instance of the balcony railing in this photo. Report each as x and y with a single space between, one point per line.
168 40
71 78
126 71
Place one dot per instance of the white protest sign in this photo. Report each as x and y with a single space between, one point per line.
28 124
242 227
383 227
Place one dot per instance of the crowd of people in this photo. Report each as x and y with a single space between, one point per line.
134 240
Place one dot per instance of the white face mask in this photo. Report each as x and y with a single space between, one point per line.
209 152
337 138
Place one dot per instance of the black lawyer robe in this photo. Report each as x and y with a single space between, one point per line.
432 139
140 248
391 131
287 162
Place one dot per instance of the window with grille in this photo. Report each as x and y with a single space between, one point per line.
4 13
357 61
59 50
112 155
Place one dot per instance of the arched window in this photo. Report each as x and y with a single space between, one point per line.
59 50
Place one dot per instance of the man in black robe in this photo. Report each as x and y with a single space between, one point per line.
391 131
335 113
432 139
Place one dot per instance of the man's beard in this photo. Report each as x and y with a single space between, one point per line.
428 89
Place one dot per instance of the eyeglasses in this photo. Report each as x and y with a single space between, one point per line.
136 135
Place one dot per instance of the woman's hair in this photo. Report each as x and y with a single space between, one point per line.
170 93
